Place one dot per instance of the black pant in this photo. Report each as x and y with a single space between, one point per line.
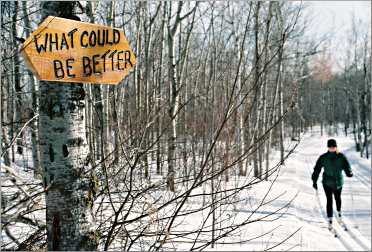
337 193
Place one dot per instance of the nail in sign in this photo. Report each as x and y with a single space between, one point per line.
72 51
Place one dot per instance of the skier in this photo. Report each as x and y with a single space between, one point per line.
333 163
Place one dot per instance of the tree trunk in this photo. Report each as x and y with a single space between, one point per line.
33 83
65 159
280 78
257 87
173 95
159 95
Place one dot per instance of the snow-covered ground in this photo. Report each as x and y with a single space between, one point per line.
307 211
356 196
302 225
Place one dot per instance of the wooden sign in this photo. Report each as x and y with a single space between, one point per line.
72 51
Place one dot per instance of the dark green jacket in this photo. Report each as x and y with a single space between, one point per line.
333 164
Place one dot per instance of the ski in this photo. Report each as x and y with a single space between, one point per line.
333 231
342 224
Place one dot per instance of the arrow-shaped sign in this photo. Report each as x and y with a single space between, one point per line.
71 51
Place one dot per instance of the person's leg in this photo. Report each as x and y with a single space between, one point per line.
338 200
328 193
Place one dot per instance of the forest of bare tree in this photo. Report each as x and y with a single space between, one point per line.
218 89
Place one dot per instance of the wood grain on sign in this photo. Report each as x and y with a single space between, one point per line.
72 51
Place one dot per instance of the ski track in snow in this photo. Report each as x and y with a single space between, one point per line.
307 211
356 202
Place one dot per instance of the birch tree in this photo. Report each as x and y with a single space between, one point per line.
65 158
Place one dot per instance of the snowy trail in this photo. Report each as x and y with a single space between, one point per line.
348 245
356 202
348 239
307 211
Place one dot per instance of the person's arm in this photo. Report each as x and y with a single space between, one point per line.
317 170
347 167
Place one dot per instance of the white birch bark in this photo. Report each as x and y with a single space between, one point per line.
65 159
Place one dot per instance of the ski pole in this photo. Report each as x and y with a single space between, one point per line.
352 205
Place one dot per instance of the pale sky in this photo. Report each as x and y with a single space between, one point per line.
334 18
337 14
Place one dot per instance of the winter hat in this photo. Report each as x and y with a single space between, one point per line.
331 143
